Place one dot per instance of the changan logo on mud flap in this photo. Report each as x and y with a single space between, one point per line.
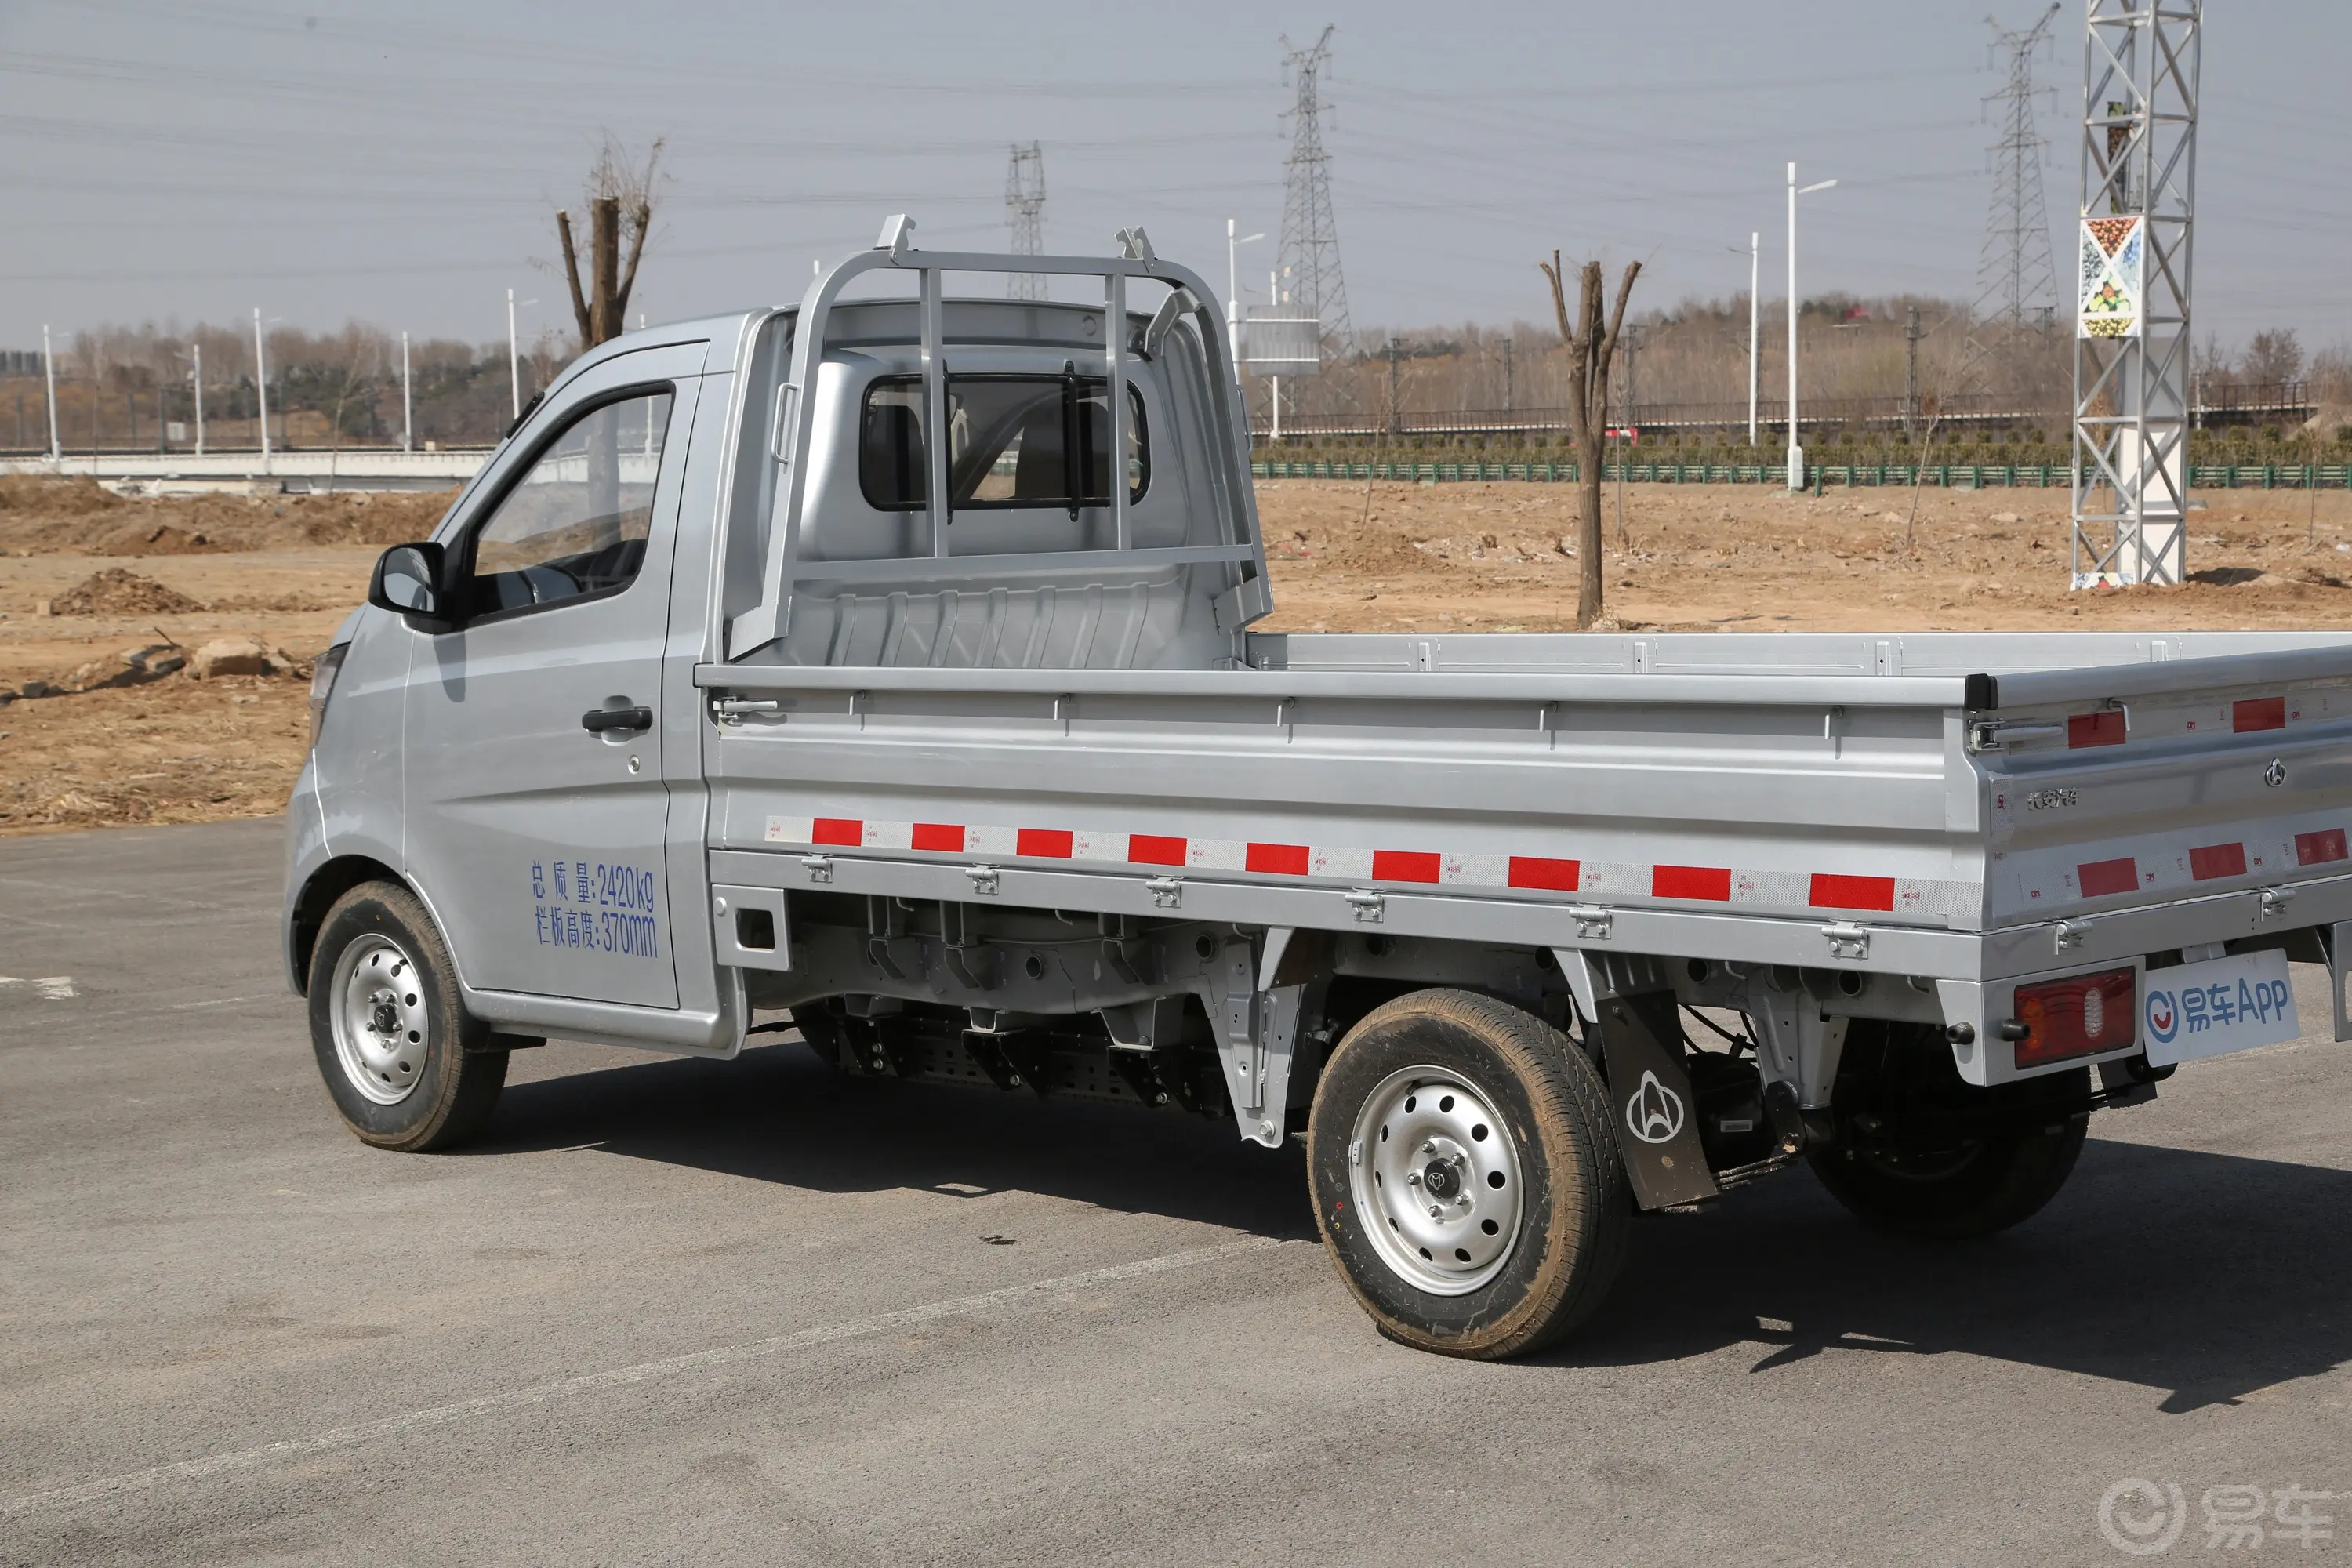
1654 1113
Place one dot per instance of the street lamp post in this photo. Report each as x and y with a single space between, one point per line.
1234 291
1796 450
1755 340
514 351
49 374
261 387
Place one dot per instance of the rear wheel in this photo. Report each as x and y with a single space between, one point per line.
1956 1193
1465 1175
389 1029
1923 1153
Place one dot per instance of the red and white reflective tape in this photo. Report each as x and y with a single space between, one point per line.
2173 863
1813 892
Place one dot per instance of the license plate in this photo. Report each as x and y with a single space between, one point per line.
2194 1010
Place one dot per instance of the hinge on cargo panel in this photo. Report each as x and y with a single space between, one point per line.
1167 892
1370 908
818 867
2070 933
984 880
1592 922
1847 939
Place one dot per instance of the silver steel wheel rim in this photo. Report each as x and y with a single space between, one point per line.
382 1024
1426 1139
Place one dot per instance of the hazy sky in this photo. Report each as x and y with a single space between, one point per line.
399 163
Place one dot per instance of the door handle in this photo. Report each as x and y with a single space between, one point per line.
599 720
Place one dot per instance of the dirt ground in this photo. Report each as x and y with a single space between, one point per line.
1406 557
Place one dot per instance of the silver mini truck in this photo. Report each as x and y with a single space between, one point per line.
883 664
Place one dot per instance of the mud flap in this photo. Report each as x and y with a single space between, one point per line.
1656 1117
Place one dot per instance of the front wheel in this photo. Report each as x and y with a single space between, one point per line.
389 1029
1465 1175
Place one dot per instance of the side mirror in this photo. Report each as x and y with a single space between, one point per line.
408 581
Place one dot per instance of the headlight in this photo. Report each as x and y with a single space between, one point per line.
322 685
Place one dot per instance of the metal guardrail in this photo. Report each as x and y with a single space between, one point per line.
354 468
1947 476
2218 405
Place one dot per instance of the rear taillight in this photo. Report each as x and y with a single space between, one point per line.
2108 727
2076 1017
322 685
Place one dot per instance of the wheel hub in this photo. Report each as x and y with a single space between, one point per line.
381 1021
1435 1174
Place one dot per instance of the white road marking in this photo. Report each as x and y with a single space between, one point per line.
617 1377
55 988
227 1001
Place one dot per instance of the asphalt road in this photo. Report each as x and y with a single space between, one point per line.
677 1311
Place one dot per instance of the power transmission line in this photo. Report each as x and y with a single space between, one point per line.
1025 217
1310 281
2016 282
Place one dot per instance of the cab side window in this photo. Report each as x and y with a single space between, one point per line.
576 524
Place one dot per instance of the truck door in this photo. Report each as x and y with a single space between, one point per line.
536 815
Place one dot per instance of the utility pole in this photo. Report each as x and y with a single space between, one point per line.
50 369
1273 383
1310 236
1911 377
1796 447
407 408
1025 217
1633 417
261 387
196 378
1396 416
1755 333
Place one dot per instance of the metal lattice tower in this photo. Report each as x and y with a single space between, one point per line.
2015 279
1025 217
1312 281
2132 253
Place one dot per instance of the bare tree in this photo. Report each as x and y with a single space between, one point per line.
2273 356
620 195
1591 344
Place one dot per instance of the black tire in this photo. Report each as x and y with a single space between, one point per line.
1959 1193
1568 1243
820 1030
1922 1153
440 1091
